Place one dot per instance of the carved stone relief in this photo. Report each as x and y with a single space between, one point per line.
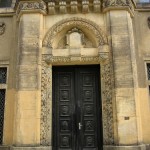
118 3
29 6
50 36
86 5
2 28
103 59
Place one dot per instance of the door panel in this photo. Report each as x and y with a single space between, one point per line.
76 105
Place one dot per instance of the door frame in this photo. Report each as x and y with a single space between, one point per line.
106 92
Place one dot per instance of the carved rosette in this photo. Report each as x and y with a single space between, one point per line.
34 6
2 28
118 4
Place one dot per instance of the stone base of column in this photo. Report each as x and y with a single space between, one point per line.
137 147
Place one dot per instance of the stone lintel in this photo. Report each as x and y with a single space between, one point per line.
33 6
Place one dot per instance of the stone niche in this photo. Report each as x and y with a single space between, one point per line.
76 43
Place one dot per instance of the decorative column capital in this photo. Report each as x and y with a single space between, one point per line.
35 6
119 4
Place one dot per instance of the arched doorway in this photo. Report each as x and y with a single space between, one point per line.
99 53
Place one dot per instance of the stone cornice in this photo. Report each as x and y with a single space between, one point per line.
73 6
85 6
36 6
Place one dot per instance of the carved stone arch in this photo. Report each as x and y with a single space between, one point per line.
75 22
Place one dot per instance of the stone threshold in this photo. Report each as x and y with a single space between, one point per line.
106 147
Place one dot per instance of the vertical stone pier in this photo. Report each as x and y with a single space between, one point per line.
28 98
124 82
120 15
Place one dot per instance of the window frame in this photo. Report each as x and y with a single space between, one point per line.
4 86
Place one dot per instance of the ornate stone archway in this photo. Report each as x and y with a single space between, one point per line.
103 58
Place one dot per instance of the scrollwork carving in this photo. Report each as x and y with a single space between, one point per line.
118 3
100 36
2 28
24 6
46 93
107 95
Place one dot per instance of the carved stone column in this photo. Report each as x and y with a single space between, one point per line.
28 98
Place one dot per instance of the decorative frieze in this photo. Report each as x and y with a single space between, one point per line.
75 21
118 4
31 6
74 6
2 28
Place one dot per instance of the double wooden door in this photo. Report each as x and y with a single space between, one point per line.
77 108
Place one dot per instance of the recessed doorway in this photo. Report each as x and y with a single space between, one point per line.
77 116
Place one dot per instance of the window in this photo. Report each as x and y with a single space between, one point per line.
144 1
3 75
5 3
2 106
3 83
148 71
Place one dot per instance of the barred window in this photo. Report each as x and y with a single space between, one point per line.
2 107
5 3
148 71
3 81
3 75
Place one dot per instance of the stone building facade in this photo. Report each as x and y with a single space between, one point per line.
75 75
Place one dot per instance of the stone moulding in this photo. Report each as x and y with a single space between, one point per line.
103 58
75 21
30 6
119 4
2 28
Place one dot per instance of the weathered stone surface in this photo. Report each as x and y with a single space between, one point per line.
31 148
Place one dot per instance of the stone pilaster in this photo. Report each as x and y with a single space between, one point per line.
28 98
122 49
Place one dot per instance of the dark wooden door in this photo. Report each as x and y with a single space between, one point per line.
77 108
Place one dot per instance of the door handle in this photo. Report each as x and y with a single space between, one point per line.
80 125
